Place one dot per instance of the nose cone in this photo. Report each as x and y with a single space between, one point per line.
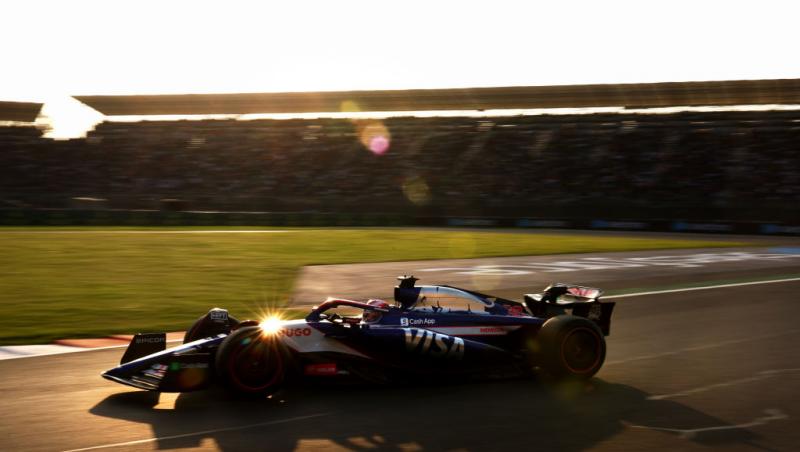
112 374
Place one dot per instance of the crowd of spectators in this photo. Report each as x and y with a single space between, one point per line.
740 165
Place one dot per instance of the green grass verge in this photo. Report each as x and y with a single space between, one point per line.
85 282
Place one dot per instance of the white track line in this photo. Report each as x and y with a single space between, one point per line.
690 289
772 414
702 347
204 432
763 375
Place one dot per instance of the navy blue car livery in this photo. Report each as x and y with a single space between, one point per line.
436 329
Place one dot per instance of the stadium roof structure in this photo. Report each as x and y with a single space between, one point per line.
635 95
19 111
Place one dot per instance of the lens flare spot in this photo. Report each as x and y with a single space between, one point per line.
569 390
461 244
349 106
417 191
271 325
379 144
489 282
374 136
192 377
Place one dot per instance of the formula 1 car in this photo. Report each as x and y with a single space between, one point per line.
428 330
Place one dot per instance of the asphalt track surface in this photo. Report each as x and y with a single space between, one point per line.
688 370
514 276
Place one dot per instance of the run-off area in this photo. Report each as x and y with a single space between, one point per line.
684 371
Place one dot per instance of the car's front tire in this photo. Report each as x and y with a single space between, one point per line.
571 347
250 362
205 326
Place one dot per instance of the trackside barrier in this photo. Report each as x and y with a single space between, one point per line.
69 217
72 217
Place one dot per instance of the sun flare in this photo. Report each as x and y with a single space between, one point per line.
271 324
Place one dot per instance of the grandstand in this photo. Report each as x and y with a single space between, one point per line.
19 111
632 95
709 166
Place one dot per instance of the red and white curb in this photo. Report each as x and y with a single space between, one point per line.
23 351
62 346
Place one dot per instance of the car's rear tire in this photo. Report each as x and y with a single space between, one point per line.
571 347
205 326
250 362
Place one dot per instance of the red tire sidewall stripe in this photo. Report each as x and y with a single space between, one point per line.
598 350
238 382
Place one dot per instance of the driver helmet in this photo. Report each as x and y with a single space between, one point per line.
370 315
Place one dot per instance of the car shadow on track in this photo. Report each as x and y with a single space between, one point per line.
476 416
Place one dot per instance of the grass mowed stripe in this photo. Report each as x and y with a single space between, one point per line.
92 284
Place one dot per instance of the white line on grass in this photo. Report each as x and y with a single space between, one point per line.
204 432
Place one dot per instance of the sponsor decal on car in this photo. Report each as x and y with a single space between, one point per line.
218 315
151 339
156 371
322 369
193 365
492 329
433 344
595 311
405 321
296 332
586 292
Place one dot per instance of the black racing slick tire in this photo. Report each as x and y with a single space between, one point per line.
251 363
571 347
206 326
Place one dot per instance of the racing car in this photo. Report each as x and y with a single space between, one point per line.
426 330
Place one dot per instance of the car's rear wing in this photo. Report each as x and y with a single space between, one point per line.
582 301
